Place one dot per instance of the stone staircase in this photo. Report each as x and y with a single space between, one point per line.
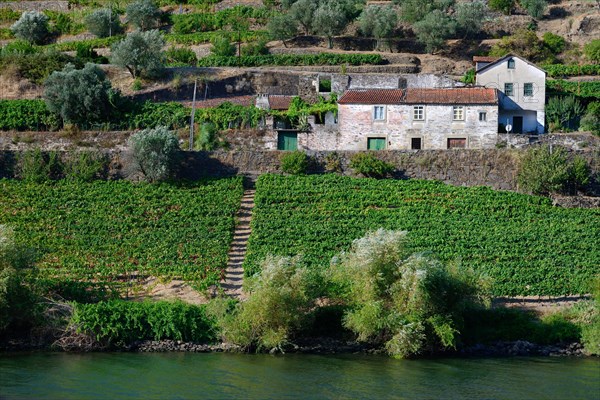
234 274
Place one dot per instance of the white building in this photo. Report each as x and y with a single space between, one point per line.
522 87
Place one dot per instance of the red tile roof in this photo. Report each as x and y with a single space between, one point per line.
452 96
484 59
372 96
279 102
421 96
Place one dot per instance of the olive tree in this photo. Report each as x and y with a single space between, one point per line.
141 53
407 302
303 12
469 17
143 14
78 95
154 153
103 23
434 29
32 27
330 19
282 27
379 22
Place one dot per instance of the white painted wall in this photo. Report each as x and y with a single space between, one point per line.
497 75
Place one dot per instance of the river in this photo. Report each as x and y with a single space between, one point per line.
235 376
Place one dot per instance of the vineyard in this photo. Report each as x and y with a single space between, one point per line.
527 246
102 232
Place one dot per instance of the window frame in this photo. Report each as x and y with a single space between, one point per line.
510 85
383 113
510 63
418 110
460 111
526 92
484 115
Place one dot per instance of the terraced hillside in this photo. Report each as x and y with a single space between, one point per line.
527 246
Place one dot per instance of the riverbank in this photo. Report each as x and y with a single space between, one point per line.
322 346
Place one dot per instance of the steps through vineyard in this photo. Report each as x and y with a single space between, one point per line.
234 274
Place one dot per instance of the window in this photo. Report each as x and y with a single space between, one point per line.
457 143
376 144
379 113
528 90
419 113
511 64
415 143
482 116
508 89
458 113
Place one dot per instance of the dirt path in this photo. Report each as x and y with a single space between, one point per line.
234 274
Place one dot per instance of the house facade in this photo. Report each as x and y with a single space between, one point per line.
417 119
522 92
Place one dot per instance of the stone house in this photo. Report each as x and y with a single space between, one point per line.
522 91
416 119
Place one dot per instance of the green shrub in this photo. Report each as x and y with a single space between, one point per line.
120 323
37 166
255 48
294 163
589 89
564 113
32 27
524 43
151 115
592 50
291 60
36 66
534 8
333 163
84 166
561 70
207 139
103 23
19 47
87 54
546 170
19 304
155 153
555 43
181 56
222 47
591 119
504 6
410 303
368 165
281 296
26 115
510 324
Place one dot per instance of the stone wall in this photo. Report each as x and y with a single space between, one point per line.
356 125
496 168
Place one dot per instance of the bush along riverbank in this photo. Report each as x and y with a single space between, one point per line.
375 298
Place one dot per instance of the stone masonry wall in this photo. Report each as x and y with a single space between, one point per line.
356 125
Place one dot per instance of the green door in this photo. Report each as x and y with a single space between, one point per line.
376 144
287 141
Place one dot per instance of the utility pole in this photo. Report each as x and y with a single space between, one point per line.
192 120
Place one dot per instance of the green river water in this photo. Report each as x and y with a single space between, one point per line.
235 376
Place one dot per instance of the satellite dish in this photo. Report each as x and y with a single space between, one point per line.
508 128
